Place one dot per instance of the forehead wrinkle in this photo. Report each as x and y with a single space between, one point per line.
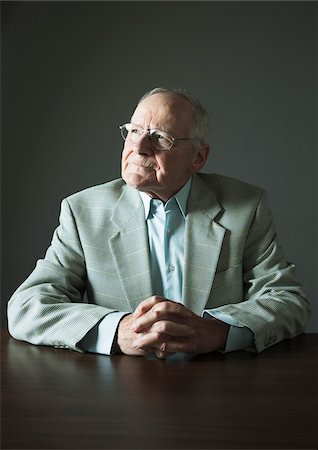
171 114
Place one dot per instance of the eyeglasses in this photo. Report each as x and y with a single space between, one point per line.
159 139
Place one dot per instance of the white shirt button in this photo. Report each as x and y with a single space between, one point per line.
171 268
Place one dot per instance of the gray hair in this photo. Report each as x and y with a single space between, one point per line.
200 127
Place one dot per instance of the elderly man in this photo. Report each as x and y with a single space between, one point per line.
166 259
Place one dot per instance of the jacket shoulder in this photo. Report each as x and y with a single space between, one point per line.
224 183
227 188
99 195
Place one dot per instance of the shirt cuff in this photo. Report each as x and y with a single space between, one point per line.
100 338
239 336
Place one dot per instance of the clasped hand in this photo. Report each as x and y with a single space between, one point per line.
165 327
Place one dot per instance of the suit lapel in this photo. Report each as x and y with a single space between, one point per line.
130 248
203 242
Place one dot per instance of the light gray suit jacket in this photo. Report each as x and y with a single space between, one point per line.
99 262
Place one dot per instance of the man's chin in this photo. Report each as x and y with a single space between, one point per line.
136 181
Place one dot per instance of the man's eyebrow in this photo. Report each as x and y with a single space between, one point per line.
165 130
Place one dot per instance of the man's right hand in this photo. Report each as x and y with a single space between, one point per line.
127 338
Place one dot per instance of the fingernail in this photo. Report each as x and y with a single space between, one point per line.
163 347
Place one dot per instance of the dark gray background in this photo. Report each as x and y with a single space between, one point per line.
72 72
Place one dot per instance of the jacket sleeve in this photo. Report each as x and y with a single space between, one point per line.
49 307
275 306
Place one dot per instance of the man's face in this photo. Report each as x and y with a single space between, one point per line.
162 173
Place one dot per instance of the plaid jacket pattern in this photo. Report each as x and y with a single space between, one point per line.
98 262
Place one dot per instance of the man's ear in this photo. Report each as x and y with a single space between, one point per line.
201 156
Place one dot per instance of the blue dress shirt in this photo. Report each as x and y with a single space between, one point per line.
166 230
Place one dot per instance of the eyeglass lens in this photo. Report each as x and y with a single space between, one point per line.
158 140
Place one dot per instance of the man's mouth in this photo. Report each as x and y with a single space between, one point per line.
141 162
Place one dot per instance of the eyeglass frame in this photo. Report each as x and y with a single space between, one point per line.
151 131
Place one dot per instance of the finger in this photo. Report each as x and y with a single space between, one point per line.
126 338
165 310
164 343
148 340
175 346
146 305
171 328
163 355
181 346
163 347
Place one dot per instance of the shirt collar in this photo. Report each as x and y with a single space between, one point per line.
181 199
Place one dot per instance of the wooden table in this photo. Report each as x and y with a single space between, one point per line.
58 399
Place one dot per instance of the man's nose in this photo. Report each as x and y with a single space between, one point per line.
143 145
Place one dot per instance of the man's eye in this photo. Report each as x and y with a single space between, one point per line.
135 130
157 136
